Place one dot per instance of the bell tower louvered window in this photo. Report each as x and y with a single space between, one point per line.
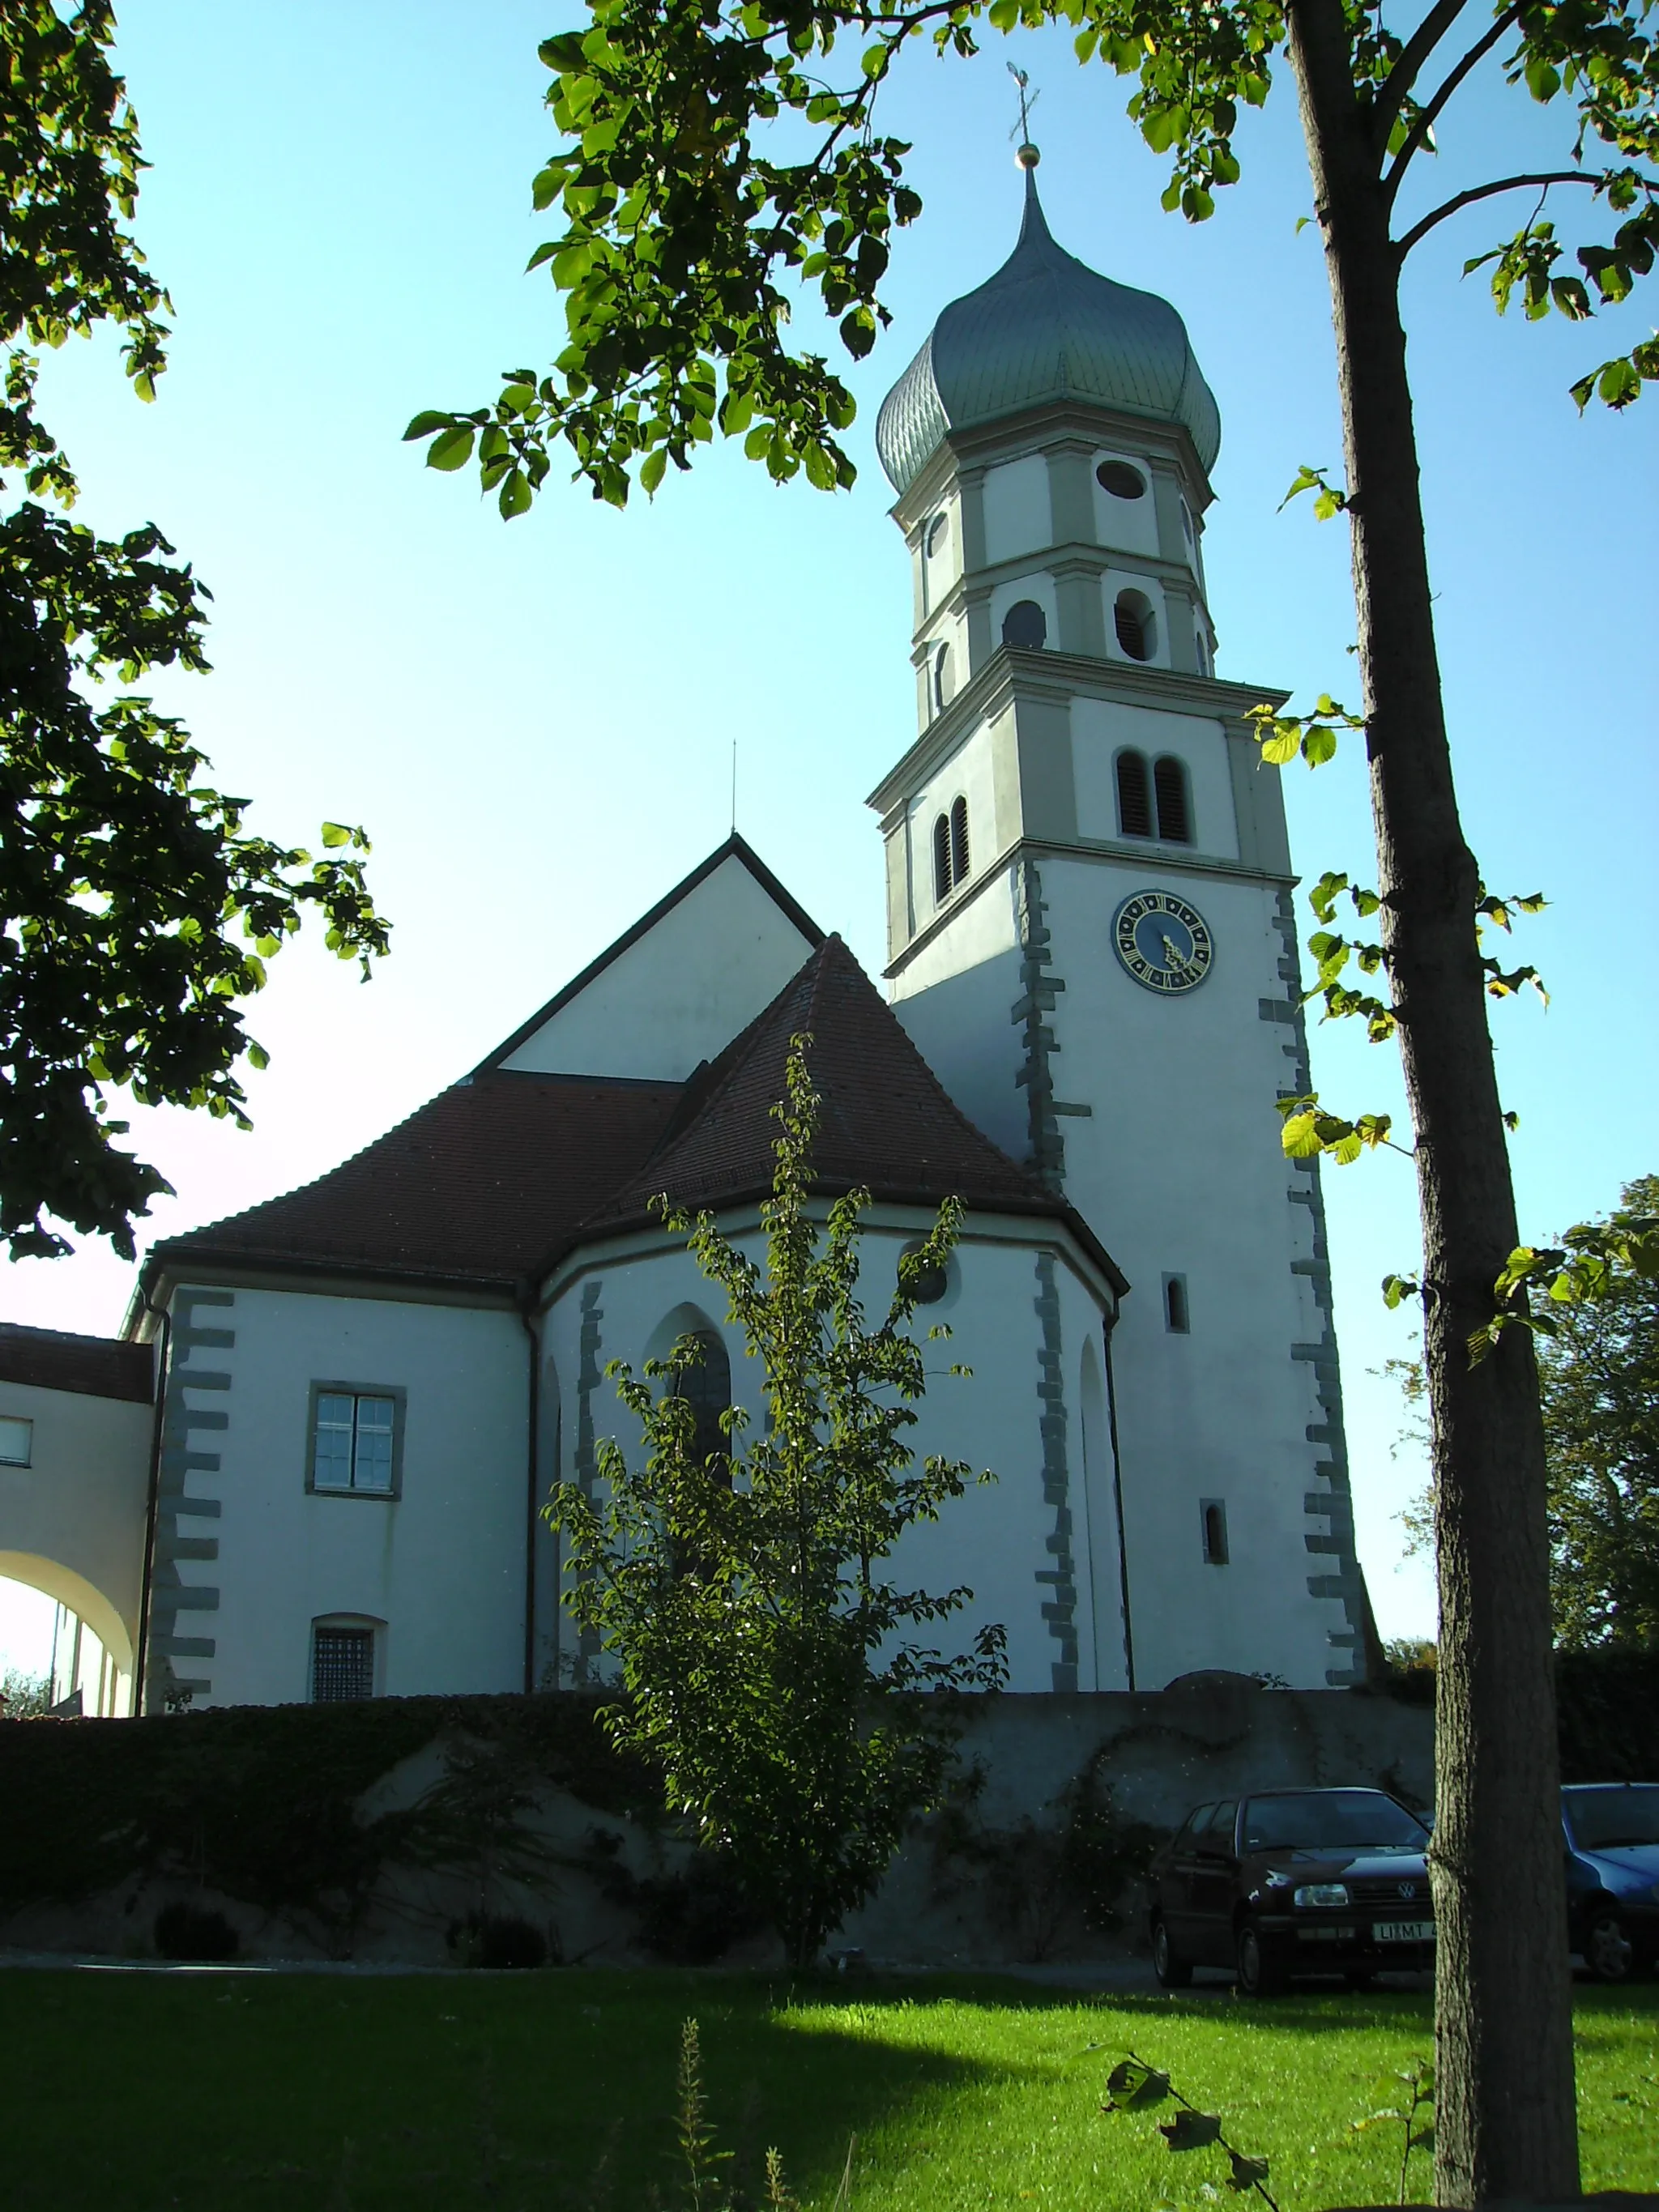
1134 797
951 853
1174 825
1025 626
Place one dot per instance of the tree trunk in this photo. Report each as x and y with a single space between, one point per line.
1505 2124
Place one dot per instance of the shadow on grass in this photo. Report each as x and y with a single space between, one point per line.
267 2093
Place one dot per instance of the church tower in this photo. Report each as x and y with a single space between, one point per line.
1091 938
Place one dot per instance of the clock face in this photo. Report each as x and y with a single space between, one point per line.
1164 943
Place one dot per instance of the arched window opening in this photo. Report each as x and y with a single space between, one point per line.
1120 480
1215 1532
942 860
941 678
1173 818
1203 644
1186 523
933 1282
707 1389
1136 625
933 543
1025 626
1174 1305
1134 798
958 841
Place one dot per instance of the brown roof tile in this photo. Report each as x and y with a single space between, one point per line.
885 1120
92 1366
476 1187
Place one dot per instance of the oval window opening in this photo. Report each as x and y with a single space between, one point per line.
935 540
1122 482
1025 626
931 1285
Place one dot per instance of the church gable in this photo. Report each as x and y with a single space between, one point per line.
676 989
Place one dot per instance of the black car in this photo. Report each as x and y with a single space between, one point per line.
1293 1881
1612 1829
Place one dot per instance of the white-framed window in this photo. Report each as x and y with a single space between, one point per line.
356 1440
16 1441
1212 1513
343 1659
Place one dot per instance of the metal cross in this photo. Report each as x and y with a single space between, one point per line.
1022 78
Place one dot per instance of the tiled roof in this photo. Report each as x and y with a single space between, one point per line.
886 1122
478 1187
497 1179
93 1366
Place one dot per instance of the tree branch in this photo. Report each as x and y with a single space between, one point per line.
1489 192
1428 115
1413 55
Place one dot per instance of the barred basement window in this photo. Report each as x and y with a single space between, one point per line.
355 1440
342 1665
958 841
1215 1531
1025 626
1174 819
1134 797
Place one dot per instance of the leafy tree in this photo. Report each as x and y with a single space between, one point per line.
743 1591
1600 1373
684 221
135 910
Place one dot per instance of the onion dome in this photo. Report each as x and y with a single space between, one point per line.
1044 329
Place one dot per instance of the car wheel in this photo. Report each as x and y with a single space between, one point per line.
1173 1974
1260 1974
1607 1952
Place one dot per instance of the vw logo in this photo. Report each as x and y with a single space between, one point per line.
1408 1889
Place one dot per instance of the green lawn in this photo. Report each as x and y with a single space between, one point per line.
247 2093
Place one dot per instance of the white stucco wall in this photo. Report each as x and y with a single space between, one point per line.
441 1565
1101 729
995 1539
678 994
72 1522
1019 516
1128 525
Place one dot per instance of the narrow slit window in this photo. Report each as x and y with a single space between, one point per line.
1134 798
941 678
1215 1532
1025 626
1174 816
941 860
1174 1305
959 842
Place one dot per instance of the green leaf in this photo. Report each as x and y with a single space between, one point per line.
335 834
453 450
1190 2130
1396 1289
425 424
651 469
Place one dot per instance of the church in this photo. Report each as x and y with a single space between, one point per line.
317 1458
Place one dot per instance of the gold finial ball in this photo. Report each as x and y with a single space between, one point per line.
1027 156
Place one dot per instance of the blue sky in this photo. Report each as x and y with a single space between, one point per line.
536 720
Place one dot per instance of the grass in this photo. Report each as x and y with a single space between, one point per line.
225 2092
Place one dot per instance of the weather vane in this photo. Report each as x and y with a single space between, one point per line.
1025 153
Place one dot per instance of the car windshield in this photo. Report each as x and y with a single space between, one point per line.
1602 1818
1331 1819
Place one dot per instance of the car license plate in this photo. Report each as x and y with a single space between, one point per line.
1403 1931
